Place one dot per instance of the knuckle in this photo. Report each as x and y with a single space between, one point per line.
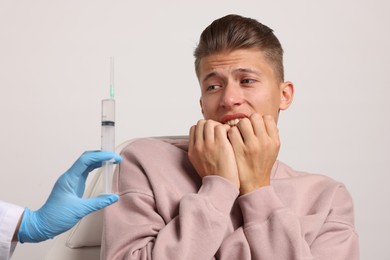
220 128
192 129
190 155
197 148
243 122
201 122
232 130
209 123
255 116
277 143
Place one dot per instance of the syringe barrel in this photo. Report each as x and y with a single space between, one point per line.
108 141
108 111
108 125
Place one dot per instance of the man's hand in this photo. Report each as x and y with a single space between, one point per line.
65 205
210 151
256 144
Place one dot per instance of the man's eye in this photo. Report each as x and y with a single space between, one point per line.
213 87
247 81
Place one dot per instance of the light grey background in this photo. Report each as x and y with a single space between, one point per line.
54 71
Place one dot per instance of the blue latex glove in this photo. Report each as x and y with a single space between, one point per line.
65 205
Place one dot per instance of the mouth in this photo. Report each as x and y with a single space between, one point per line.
233 122
232 119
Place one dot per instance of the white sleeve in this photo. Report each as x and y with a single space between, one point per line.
9 217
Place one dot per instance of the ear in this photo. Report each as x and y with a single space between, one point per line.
286 95
201 105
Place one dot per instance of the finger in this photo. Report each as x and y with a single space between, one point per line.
91 160
235 137
208 131
96 160
258 124
271 127
246 130
221 132
191 141
97 203
199 135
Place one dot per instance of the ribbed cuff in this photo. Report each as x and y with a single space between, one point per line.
220 192
257 206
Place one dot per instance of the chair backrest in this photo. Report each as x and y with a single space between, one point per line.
82 242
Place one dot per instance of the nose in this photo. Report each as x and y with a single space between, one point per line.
231 96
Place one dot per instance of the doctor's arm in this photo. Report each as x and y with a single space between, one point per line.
65 205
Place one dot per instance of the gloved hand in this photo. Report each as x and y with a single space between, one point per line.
65 205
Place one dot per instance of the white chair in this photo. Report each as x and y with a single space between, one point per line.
82 242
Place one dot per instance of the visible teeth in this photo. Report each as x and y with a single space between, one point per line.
233 122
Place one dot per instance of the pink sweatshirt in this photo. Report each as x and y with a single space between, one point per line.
166 211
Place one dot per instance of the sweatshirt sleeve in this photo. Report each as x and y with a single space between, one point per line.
337 238
134 228
272 231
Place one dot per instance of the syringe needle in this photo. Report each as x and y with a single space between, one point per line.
112 86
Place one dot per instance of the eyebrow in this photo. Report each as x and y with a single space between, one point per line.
246 70
210 75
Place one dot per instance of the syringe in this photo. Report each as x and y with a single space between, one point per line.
108 132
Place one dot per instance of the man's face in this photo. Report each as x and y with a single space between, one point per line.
239 83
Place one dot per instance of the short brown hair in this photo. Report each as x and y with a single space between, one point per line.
234 32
